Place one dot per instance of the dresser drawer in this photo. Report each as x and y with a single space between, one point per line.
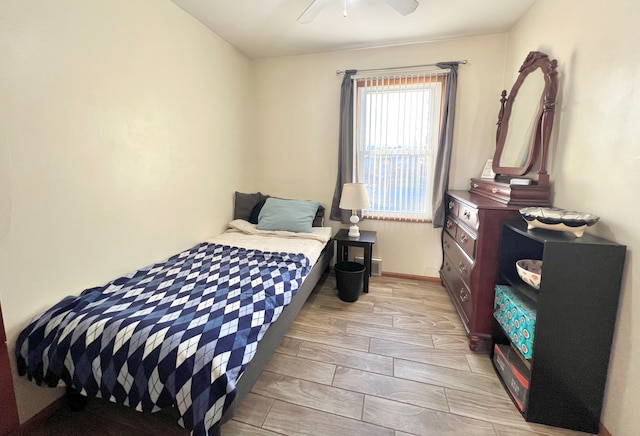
450 225
459 261
467 241
458 290
492 190
469 216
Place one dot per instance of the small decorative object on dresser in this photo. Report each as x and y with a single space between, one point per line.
553 218
573 315
487 172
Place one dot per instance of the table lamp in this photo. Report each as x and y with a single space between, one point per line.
354 197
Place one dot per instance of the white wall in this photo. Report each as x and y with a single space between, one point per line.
595 157
297 100
122 138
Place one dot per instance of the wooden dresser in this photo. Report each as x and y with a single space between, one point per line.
8 410
470 243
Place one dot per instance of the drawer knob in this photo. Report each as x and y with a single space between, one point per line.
449 224
462 268
451 203
495 190
463 295
467 214
463 238
475 185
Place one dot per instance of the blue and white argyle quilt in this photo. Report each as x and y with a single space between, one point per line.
177 333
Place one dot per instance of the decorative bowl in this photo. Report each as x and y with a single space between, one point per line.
553 218
530 271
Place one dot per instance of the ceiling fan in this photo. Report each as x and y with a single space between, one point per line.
405 7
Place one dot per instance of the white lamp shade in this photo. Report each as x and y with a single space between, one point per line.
354 196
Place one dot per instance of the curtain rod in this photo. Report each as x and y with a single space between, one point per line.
401 68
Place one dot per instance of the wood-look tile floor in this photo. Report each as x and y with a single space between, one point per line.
396 362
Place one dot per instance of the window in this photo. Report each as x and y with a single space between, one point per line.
396 128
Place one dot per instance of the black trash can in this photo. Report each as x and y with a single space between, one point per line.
349 277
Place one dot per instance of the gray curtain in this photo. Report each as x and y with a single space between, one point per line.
345 147
445 144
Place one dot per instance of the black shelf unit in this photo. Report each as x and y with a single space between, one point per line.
576 309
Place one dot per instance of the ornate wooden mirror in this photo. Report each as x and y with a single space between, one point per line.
524 128
526 118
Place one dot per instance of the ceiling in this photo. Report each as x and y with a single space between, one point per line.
269 28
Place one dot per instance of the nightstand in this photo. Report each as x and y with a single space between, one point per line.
366 241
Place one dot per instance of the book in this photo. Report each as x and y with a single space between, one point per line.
519 181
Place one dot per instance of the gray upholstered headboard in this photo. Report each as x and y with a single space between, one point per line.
247 207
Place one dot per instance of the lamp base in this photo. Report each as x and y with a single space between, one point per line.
354 231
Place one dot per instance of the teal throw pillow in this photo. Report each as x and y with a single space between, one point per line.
288 215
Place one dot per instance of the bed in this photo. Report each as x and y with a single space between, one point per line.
194 331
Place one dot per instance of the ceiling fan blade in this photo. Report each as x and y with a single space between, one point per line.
314 9
405 7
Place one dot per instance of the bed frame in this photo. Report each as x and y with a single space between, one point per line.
265 348
276 331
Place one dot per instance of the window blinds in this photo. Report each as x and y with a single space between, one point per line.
397 118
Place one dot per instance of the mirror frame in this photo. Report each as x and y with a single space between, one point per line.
539 142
